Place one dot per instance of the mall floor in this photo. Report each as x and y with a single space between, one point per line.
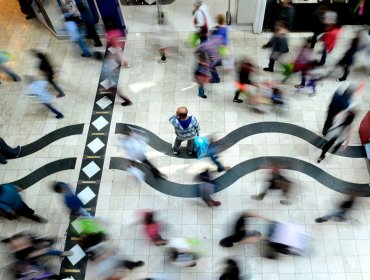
337 250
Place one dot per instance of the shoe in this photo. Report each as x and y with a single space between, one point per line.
86 55
267 69
67 254
189 153
16 78
203 96
126 103
284 202
256 233
320 159
320 220
30 16
59 117
98 44
38 219
126 65
162 61
299 86
217 203
340 80
256 197
175 153
135 265
212 81
237 100
60 95
4 161
19 149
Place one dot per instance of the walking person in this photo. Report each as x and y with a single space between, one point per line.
39 89
114 90
246 68
152 229
201 74
212 152
47 70
348 58
207 188
277 182
202 20
339 133
116 40
26 8
340 101
303 63
74 32
135 146
186 128
318 23
278 44
331 35
5 57
287 13
70 199
341 213
231 271
7 152
211 50
12 205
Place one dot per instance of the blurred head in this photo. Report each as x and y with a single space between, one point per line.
182 112
285 3
221 19
59 187
202 57
149 218
197 3
349 118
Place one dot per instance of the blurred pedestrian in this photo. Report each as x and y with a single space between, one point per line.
339 133
183 252
74 32
40 90
152 229
114 90
5 57
331 35
31 270
207 188
25 246
340 101
287 14
116 40
12 204
318 19
202 20
278 44
7 152
201 74
47 70
70 199
186 128
277 182
213 150
211 50
246 68
241 233
221 30
231 271
340 214
106 263
135 146
347 60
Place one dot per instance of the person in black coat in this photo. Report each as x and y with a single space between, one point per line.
231 271
7 152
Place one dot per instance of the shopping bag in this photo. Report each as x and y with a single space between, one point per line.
223 51
193 40
200 146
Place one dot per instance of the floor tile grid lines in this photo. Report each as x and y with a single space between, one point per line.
91 168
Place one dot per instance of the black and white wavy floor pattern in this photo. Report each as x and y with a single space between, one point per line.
52 167
246 167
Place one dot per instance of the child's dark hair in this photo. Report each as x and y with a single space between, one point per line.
202 56
149 218
58 187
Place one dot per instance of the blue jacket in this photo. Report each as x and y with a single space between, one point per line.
10 199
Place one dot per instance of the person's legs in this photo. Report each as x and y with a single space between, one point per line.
214 73
201 91
29 213
323 57
336 147
162 52
176 145
9 72
345 73
270 67
6 150
56 87
130 264
236 96
328 123
190 146
215 160
58 114
91 31
326 148
152 168
84 48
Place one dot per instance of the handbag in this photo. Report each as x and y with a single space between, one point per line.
201 146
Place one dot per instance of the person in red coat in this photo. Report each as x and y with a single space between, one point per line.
330 37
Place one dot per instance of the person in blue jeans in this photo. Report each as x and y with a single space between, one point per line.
74 32
213 150
70 199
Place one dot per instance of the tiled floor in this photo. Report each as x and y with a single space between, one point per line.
337 250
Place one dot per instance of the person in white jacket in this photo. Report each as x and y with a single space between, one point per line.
202 20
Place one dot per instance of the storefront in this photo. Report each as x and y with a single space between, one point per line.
349 12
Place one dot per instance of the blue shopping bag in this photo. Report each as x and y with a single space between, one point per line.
201 146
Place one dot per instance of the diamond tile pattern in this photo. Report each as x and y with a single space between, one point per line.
91 169
95 145
100 123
